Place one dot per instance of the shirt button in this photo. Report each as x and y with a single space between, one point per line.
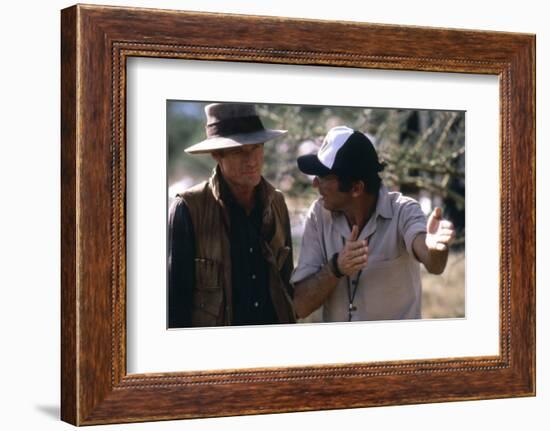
251 249
253 276
256 304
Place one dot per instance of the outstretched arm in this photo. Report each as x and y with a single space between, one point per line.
432 248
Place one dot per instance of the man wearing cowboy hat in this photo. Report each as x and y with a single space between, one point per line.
230 256
362 245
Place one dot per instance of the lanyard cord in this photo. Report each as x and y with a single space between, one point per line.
351 294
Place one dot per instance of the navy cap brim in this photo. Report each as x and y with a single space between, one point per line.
311 165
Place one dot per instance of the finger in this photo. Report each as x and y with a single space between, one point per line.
432 223
437 213
360 265
354 245
349 256
446 224
440 235
358 260
446 231
443 238
354 233
440 247
358 252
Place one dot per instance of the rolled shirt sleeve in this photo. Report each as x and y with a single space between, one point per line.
412 222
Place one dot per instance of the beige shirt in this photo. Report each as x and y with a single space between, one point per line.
389 287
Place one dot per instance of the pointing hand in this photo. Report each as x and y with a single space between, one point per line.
355 254
440 232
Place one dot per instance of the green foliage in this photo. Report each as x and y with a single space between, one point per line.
185 125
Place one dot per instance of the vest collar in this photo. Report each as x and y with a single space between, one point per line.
265 194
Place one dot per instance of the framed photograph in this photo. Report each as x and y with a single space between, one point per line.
174 308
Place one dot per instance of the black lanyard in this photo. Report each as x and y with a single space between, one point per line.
351 294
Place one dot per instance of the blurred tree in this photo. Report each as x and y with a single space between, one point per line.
424 150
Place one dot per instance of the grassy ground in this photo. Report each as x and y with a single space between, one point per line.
443 295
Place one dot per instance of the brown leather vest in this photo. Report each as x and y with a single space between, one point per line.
213 291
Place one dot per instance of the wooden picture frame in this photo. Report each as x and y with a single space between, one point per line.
95 43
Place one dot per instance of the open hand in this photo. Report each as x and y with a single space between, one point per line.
355 254
440 232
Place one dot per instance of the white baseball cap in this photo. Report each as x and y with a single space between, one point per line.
345 152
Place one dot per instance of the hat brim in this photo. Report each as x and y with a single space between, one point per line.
234 141
311 165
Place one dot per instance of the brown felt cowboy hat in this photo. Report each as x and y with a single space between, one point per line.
230 125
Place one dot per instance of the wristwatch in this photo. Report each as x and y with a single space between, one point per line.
333 265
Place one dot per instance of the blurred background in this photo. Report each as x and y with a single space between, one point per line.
424 151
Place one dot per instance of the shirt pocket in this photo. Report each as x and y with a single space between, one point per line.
208 292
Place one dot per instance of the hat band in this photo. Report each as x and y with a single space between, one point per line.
233 126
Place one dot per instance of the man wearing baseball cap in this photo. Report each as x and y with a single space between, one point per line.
230 256
363 245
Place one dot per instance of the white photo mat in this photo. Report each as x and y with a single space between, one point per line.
153 348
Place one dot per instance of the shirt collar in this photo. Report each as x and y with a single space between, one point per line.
384 205
265 193
383 209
